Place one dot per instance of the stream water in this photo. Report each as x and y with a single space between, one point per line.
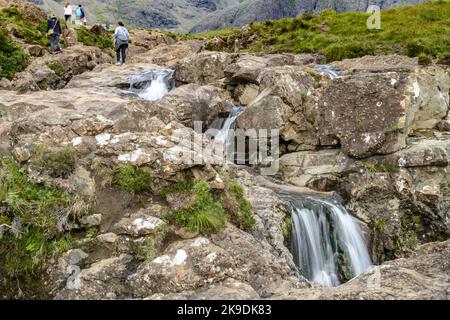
327 242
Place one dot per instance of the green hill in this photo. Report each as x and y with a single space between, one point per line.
421 30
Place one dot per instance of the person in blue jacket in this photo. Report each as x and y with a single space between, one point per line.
54 32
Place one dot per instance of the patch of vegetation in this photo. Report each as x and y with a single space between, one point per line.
32 33
424 59
31 211
58 164
182 186
13 58
57 68
237 206
89 38
132 178
391 128
375 168
91 232
380 224
147 248
207 211
204 214
412 30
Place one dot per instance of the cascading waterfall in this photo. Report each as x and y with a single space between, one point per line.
329 70
327 242
228 124
223 127
153 85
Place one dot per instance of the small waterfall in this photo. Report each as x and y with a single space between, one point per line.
227 124
222 134
153 85
327 241
329 70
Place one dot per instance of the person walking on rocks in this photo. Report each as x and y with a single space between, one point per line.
54 31
68 13
121 36
81 16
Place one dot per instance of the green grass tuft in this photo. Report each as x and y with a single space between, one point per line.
204 214
58 164
36 208
237 206
89 38
132 178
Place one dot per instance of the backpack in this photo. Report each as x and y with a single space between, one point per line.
79 12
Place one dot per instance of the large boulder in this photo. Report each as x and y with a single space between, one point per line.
54 71
193 102
203 68
373 113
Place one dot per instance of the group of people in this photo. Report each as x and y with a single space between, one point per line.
79 14
54 32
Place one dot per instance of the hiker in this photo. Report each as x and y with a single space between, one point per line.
121 40
68 12
81 16
54 31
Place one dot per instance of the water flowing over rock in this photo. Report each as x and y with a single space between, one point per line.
327 242
369 132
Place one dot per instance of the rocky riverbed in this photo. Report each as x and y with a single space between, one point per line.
376 137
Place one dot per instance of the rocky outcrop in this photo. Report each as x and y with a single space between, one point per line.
420 277
55 71
374 113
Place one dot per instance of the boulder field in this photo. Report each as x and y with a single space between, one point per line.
377 137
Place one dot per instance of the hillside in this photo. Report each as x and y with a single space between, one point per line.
200 15
420 30
261 10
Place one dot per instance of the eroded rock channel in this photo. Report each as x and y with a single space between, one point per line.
364 157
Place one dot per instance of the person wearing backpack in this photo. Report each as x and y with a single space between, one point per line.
121 36
81 16
54 31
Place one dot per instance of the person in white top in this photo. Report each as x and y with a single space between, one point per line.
67 12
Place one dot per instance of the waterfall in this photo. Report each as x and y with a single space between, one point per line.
327 241
329 70
228 124
153 85
223 127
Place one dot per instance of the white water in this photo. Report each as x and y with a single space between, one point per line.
322 231
327 69
228 124
157 84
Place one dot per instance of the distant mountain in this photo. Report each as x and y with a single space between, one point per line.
260 10
201 15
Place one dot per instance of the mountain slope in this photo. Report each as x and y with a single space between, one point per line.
201 15
174 15
260 10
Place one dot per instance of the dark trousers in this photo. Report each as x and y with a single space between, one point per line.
121 51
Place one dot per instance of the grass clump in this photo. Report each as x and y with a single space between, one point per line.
203 214
58 164
132 178
13 58
207 211
32 211
376 168
182 186
57 68
237 206
88 38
